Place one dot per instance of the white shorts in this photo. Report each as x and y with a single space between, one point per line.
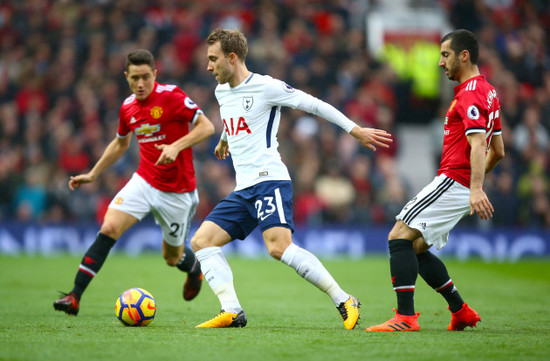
436 209
172 211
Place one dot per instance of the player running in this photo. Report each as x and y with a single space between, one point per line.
164 183
472 147
250 108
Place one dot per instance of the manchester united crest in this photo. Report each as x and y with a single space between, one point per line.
247 103
156 112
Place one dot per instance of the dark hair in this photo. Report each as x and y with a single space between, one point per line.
140 57
462 39
231 41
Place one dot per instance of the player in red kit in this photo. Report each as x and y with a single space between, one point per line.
472 146
164 183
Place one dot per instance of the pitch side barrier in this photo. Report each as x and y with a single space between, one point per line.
494 244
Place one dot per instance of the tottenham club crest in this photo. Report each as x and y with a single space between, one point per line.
247 103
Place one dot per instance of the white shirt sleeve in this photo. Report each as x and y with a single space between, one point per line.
310 104
224 135
281 93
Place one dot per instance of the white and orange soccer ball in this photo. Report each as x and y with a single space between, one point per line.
135 307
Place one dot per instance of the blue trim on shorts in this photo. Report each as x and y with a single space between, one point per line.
267 204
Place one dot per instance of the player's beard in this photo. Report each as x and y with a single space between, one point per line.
221 77
452 70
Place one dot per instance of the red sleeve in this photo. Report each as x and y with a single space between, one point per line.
498 126
184 106
123 128
473 112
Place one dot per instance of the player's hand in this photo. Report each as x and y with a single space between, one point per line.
168 155
480 204
372 137
77 181
222 150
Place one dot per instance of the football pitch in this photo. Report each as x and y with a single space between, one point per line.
288 319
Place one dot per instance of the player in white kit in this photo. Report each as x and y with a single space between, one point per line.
250 106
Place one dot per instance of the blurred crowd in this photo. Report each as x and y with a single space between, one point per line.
62 84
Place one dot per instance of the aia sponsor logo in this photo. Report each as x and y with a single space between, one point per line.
234 127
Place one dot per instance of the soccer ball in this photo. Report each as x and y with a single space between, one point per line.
135 307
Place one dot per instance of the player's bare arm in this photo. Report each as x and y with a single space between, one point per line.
112 153
479 202
222 150
202 129
372 137
495 154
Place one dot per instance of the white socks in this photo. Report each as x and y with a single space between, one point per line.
309 267
217 272
219 276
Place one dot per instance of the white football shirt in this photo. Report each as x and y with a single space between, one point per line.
251 113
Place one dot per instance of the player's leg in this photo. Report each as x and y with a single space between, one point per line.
184 259
434 272
279 244
272 208
426 219
403 271
403 261
115 224
129 206
207 243
174 213
229 220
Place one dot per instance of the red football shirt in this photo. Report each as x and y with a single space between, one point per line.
162 118
475 108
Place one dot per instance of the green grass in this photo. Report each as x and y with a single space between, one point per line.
287 318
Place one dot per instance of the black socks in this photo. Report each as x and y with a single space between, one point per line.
189 263
404 270
91 262
434 272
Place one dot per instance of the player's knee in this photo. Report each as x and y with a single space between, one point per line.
401 231
276 249
197 243
171 260
394 234
110 229
420 246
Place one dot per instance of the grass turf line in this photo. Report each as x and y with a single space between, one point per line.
288 318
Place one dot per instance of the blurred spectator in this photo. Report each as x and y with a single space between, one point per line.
60 91
530 136
30 198
533 191
504 199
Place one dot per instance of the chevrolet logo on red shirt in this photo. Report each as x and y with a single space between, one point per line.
147 130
